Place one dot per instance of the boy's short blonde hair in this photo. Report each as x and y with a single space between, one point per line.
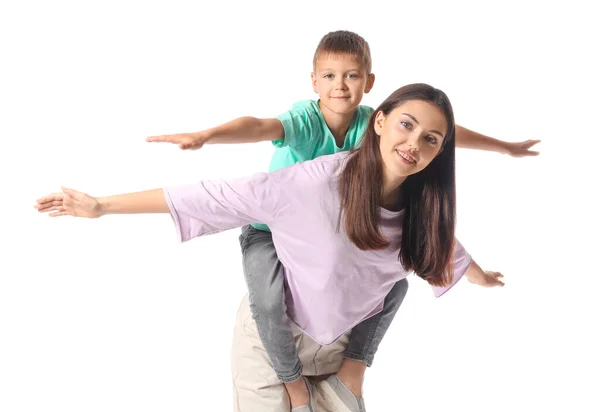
344 42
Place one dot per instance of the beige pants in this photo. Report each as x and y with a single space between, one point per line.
255 384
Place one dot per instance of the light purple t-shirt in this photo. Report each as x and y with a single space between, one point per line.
332 285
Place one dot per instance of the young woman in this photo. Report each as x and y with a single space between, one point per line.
347 227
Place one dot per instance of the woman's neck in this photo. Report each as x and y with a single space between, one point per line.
391 195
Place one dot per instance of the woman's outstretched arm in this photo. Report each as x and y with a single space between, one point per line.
464 265
70 202
209 206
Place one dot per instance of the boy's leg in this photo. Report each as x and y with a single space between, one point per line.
366 336
256 387
344 389
265 279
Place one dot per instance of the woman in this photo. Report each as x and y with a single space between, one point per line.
347 227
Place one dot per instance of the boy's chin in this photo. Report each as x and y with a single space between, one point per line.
340 106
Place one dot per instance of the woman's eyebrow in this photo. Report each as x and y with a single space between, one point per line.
417 122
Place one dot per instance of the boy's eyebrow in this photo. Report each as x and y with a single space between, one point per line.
417 122
327 69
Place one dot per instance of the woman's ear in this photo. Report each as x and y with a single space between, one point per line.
379 123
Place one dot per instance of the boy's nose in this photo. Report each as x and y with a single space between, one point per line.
340 85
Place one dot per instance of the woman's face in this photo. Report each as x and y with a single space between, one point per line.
411 136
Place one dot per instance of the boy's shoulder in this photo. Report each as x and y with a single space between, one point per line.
312 105
365 110
305 109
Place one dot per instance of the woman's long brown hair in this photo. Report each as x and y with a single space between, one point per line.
429 197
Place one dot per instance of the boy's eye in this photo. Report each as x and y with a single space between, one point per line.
328 76
407 125
353 76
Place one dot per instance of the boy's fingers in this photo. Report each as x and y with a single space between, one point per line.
168 138
156 139
56 214
50 198
46 210
72 192
44 206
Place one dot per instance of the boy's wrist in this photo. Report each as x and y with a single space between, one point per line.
202 136
103 206
504 147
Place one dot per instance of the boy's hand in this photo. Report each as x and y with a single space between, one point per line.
69 203
521 149
485 278
186 141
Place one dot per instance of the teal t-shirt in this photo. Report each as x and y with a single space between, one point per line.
308 137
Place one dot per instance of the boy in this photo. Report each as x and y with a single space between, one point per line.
341 75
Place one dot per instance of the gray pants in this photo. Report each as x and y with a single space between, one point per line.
265 280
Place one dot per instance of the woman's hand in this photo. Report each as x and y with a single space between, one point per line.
482 277
69 203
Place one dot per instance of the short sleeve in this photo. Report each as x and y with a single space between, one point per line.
216 205
300 124
462 261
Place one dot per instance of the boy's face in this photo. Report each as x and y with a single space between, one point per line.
341 80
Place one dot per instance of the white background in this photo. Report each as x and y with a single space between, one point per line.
115 315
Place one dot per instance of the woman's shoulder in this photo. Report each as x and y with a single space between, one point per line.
321 171
329 164
324 169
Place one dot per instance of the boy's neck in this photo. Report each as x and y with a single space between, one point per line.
337 123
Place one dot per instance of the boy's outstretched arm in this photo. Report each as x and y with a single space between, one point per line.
469 139
73 203
240 130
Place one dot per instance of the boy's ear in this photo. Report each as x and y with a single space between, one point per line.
370 82
313 78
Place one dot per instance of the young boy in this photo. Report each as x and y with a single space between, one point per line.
341 76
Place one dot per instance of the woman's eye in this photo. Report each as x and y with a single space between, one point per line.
431 139
407 125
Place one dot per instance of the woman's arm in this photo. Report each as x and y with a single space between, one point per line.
482 277
464 265
198 209
73 203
